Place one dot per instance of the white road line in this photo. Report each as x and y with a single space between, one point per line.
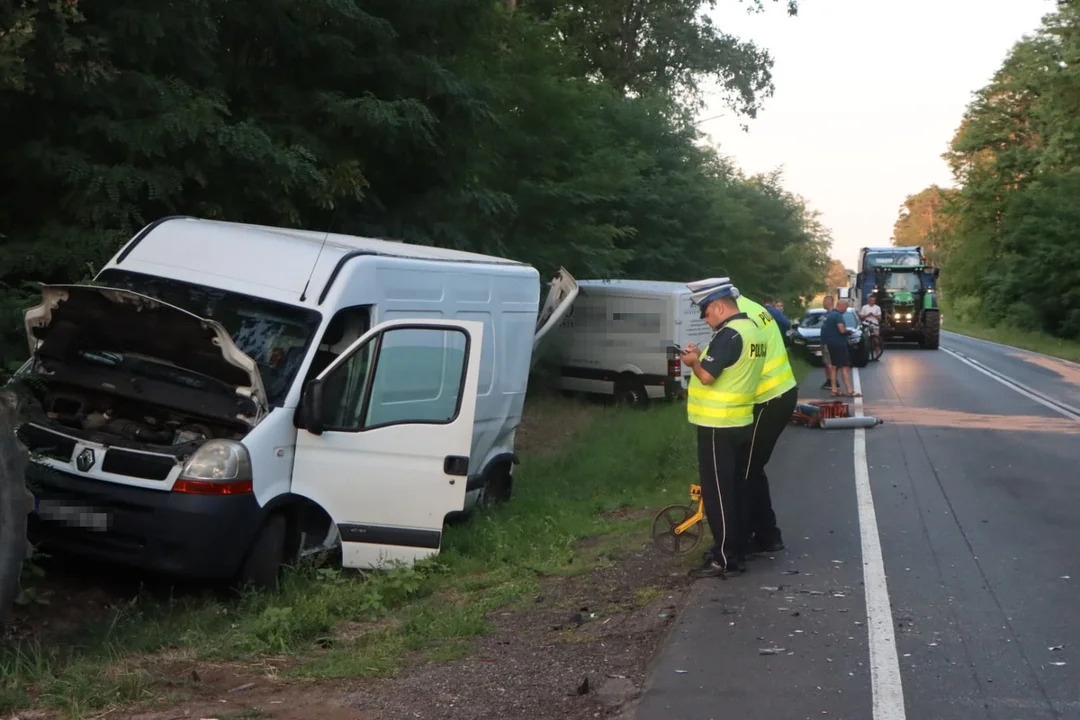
888 691
1011 347
1055 405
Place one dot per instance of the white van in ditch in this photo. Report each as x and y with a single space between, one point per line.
617 337
226 397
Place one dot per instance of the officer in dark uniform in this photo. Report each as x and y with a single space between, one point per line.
720 402
775 398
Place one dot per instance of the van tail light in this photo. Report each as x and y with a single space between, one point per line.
674 364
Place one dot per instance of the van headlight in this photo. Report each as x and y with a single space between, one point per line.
218 467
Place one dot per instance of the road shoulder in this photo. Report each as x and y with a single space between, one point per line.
787 639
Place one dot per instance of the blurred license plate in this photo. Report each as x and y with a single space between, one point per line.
71 515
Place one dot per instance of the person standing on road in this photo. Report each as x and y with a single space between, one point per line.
871 314
774 403
720 402
827 303
834 336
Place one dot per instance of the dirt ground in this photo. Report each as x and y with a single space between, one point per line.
580 650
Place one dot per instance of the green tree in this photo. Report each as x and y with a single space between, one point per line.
924 220
670 47
1008 255
837 276
508 128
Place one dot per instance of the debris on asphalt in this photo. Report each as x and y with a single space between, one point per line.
681 672
770 588
771 651
1055 648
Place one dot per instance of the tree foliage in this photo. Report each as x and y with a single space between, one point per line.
924 220
1008 247
837 276
552 132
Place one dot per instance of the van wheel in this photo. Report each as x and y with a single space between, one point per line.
262 566
497 489
630 392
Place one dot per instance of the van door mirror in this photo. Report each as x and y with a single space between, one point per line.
313 407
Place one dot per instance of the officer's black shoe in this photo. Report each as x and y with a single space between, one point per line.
712 569
761 546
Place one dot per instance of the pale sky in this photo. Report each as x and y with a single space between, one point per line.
868 96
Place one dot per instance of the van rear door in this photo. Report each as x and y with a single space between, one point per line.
386 437
560 298
691 329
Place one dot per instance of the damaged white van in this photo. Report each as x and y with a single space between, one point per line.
228 397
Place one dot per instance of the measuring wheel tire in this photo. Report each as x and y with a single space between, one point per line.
663 530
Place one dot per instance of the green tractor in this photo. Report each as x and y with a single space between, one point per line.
906 289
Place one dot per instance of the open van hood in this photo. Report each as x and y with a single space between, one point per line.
75 318
564 290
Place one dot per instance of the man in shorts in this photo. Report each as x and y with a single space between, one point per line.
834 336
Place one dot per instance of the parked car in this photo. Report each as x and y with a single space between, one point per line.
805 337
236 396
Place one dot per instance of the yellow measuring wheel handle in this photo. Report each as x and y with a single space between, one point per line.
677 529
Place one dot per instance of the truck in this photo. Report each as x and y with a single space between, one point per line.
225 398
617 340
905 286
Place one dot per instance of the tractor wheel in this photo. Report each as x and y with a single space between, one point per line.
931 336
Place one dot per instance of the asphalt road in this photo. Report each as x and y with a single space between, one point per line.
974 486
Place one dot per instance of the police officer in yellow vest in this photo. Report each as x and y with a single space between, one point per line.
720 401
774 404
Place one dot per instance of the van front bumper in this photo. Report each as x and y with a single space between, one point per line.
196 536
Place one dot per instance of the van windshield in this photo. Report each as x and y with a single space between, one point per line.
275 335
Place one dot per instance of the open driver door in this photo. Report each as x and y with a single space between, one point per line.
386 437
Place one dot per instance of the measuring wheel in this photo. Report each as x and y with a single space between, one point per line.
663 530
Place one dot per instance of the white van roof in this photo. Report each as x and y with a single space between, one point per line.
268 261
653 287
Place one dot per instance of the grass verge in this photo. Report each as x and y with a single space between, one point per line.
1027 340
323 623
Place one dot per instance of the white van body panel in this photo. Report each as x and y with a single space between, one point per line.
626 326
396 279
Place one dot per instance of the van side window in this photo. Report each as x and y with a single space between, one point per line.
417 376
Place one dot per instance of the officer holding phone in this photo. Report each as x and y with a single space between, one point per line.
774 402
720 402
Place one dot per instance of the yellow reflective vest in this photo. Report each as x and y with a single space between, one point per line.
729 400
777 377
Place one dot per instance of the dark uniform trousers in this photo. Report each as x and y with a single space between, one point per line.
770 419
723 454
